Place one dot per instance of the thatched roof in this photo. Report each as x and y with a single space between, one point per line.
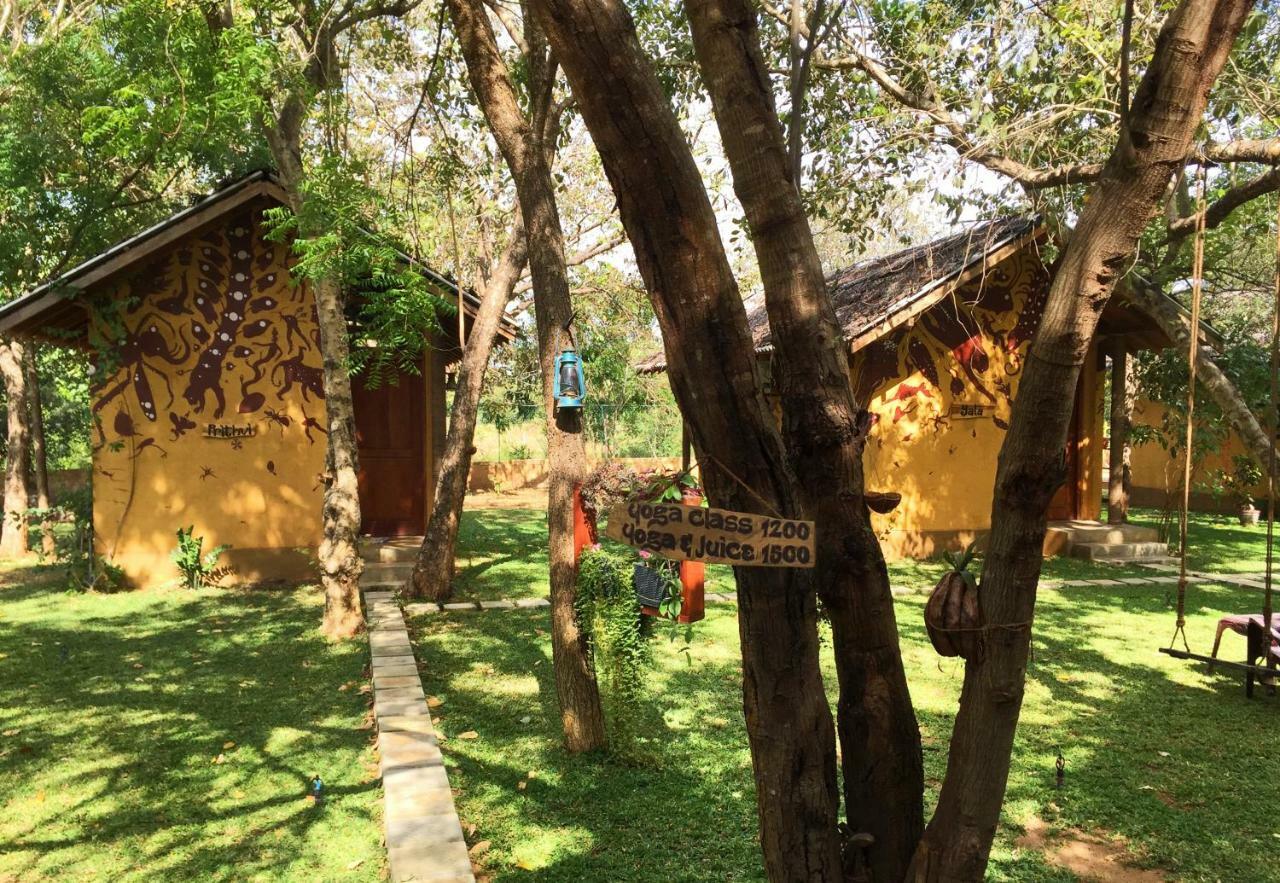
870 295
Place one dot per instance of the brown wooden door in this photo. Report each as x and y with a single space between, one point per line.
390 435
1065 504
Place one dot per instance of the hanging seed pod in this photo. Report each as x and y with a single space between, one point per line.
952 615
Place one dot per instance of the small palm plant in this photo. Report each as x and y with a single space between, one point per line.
198 570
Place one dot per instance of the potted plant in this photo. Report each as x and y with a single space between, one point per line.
609 483
1243 478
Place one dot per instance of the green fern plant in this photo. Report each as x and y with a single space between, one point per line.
199 569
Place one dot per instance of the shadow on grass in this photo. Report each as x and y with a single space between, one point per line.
171 735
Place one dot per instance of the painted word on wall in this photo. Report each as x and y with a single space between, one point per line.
714 536
229 430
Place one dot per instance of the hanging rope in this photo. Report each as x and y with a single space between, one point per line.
1197 273
1271 452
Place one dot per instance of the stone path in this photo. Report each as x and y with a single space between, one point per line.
424 837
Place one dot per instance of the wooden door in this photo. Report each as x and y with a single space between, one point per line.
1065 504
390 435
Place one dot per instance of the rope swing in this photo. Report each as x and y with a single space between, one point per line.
1259 639
1197 287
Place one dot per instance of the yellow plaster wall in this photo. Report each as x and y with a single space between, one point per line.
967 350
1156 474
214 333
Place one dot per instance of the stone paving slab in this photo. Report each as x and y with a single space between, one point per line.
500 604
462 605
423 836
532 602
422 607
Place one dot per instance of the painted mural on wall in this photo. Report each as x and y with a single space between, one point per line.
965 352
940 394
210 335
208 406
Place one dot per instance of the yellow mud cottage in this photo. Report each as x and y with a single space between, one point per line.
208 406
938 334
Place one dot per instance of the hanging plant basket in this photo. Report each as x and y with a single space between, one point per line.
650 590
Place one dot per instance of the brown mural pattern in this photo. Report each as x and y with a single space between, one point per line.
212 331
968 348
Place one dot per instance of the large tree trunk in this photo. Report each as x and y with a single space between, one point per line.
522 147
432 575
1209 377
879 737
1167 106
1119 477
339 552
39 456
17 487
714 374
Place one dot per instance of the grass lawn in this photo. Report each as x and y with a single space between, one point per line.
1170 759
170 735
1217 543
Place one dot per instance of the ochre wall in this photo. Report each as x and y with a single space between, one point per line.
968 350
1156 474
214 333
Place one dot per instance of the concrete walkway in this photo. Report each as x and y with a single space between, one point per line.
423 835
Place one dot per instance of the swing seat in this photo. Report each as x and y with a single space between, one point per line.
1240 624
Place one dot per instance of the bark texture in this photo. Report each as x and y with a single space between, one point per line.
713 373
522 147
824 431
432 575
1210 377
1190 50
17 487
1119 477
339 552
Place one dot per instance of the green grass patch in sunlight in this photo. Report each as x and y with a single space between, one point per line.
170 735
1170 758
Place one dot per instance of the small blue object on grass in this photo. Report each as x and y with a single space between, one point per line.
317 789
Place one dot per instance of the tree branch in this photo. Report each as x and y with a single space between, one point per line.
1232 199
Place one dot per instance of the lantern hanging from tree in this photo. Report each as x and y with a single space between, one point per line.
569 386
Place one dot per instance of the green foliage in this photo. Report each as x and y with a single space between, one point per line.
618 634
396 306
1242 479
959 563
198 570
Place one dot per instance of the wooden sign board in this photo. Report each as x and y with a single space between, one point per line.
713 536
229 430
971 412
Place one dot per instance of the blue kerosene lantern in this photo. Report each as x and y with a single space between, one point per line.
569 386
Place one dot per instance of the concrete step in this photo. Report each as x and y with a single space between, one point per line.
378 573
1086 532
389 550
1119 551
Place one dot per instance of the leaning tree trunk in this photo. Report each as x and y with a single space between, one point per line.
823 429
714 375
582 718
1190 50
1209 376
17 487
432 575
1119 475
339 552
39 456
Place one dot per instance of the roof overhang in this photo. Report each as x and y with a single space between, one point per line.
56 310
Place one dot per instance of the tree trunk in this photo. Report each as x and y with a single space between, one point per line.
17 486
339 552
39 457
824 430
1167 107
714 375
581 715
1119 477
1209 377
432 575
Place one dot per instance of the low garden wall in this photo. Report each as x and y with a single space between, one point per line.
514 475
